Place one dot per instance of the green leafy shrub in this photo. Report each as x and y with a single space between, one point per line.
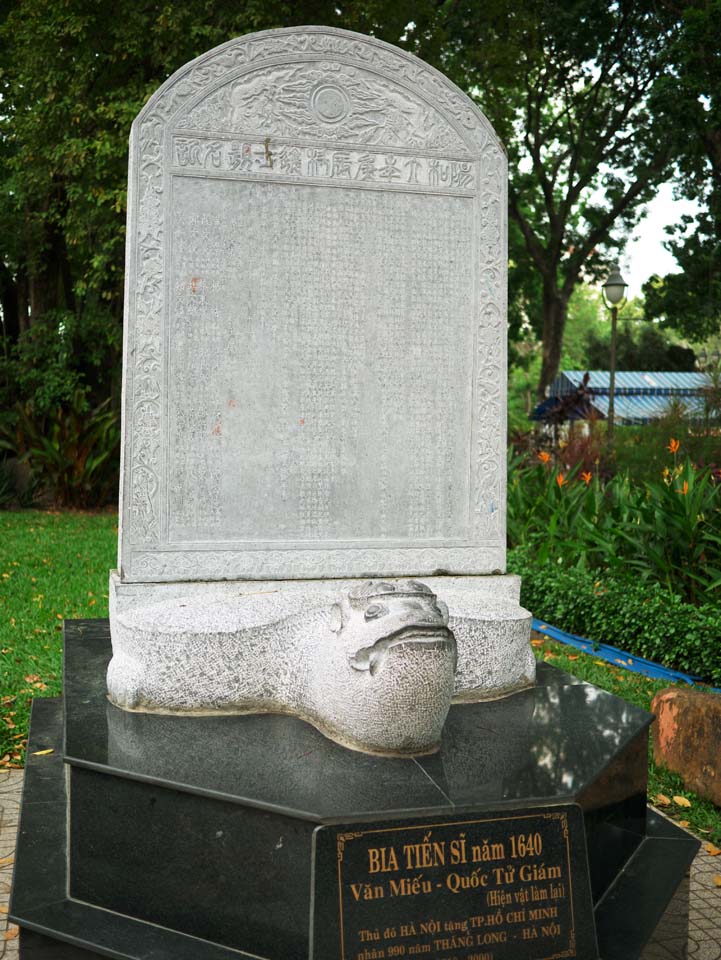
666 531
545 506
60 354
642 451
72 451
641 617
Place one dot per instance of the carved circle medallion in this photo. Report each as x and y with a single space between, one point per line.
330 103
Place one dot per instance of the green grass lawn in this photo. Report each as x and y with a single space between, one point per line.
55 566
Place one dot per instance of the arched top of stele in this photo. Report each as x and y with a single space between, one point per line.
286 81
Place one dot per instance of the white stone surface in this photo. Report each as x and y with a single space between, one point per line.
124 595
492 630
314 363
376 671
314 394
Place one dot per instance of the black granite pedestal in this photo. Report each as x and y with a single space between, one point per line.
208 838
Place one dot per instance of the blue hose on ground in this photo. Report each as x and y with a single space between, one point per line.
617 657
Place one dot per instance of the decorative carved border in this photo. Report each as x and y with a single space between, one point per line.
141 549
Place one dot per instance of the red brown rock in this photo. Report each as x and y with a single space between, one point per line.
687 738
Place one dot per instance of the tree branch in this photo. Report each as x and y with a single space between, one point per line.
533 244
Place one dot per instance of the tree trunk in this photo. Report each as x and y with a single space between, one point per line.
9 305
51 284
43 289
555 310
23 299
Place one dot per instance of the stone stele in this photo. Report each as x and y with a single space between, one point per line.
314 395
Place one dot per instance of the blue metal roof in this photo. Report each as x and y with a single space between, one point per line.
634 408
640 383
639 396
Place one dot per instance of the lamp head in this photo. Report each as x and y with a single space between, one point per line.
614 288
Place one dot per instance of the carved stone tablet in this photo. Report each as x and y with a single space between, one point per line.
315 319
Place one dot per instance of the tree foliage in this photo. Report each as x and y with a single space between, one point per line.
691 300
74 75
583 95
639 347
568 86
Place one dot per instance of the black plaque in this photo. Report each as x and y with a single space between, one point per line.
508 885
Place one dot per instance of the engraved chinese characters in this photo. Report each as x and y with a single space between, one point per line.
315 327
366 167
350 434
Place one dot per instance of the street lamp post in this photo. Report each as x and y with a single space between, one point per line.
614 295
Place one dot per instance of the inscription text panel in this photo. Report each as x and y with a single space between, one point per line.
493 886
320 374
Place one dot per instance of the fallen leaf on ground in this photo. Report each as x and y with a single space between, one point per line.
42 753
683 823
537 643
31 678
574 657
717 879
11 932
600 663
6 860
711 850
662 800
682 801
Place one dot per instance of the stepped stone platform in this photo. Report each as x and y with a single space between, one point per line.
704 909
192 837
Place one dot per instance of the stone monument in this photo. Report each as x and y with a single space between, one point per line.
314 392
312 528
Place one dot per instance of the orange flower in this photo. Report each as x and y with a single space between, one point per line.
684 490
587 476
543 456
673 446
560 479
